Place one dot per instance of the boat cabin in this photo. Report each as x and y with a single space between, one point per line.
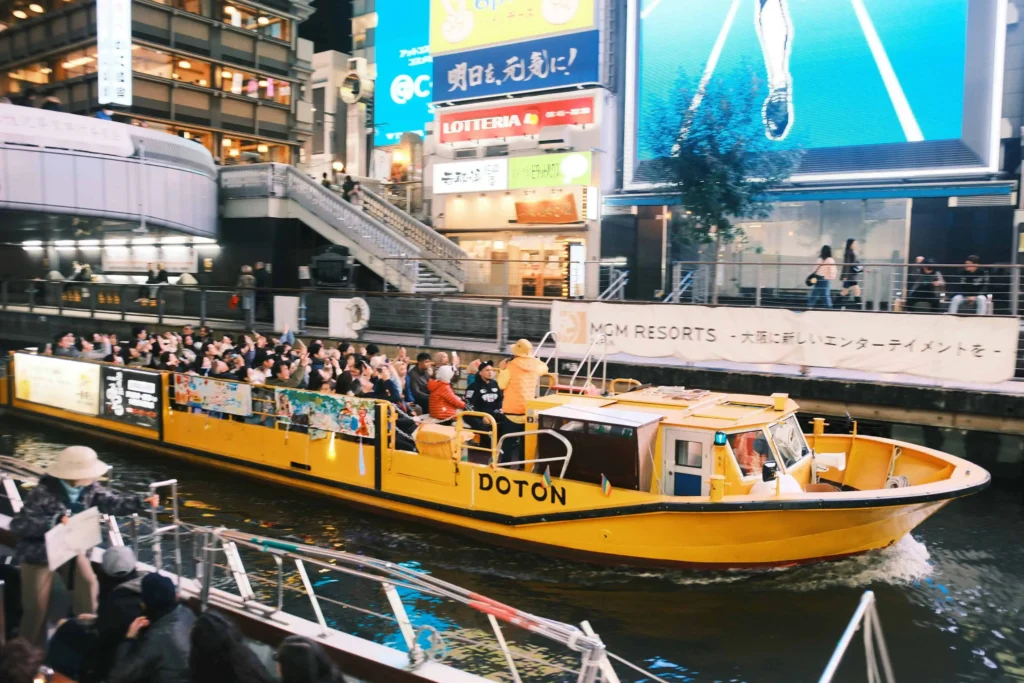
662 439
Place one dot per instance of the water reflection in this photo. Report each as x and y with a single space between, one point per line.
950 597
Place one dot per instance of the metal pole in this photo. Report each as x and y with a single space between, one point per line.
302 313
202 307
142 185
160 304
121 301
876 286
428 310
1014 290
757 295
503 324
844 642
3 292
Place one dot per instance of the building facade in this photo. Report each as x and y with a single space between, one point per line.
228 75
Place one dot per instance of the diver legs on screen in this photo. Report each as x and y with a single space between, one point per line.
775 31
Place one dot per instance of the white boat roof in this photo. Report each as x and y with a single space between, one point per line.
622 418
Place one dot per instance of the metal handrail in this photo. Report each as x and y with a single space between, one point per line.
281 181
866 615
436 245
588 358
564 459
617 288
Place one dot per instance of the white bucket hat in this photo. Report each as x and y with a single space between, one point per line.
76 463
445 373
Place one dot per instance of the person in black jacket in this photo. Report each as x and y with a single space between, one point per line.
69 487
971 287
157 646
851 275
417 379
262 276
925 286
484 395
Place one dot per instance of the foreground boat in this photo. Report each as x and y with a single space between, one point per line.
660 476
258 604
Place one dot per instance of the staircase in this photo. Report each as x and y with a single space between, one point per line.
442 256
429 282
407 255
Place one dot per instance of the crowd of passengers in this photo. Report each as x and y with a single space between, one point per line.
122 625
421 389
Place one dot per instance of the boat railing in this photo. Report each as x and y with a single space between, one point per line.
490 432
536 432
593 365
595 664
875 651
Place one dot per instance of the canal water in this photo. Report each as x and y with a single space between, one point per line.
950 597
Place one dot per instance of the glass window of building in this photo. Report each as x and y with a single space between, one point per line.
251 20
192 71
75 64
257 87
30 76
12 13
192 6
236 150
152 62
158 63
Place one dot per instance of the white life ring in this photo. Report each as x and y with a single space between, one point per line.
360 312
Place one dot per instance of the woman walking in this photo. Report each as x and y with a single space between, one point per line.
821 280
851 274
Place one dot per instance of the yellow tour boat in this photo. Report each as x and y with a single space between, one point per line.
661 476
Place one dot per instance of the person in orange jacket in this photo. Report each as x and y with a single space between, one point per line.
444 404
519 379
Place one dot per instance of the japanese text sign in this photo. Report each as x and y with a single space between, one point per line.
554 62
549 170
471 176
459 25
522 119
969 349
114 51
131 396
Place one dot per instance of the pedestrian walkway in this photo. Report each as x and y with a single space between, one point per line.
469 345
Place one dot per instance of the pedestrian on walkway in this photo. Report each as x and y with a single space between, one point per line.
68 488
851 276
820 281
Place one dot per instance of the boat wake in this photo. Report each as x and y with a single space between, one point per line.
905 562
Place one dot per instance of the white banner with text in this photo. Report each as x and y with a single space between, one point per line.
968 348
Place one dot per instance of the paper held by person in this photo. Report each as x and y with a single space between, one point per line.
79 535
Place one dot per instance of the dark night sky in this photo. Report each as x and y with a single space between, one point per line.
330 27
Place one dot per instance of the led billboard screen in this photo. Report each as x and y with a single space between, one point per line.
862 86
403 96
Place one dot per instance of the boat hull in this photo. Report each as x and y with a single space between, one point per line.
698 535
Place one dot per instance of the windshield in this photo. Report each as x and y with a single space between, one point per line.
789 440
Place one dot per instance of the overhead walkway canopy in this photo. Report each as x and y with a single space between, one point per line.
64 164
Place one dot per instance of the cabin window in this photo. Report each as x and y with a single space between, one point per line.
751 450
789 440
573 426
689 454
610 430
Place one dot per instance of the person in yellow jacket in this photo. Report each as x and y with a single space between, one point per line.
518 382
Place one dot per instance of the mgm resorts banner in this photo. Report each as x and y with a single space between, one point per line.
131 396
970 348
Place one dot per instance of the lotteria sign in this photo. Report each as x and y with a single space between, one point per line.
523 119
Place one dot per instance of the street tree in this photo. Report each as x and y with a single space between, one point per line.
711 146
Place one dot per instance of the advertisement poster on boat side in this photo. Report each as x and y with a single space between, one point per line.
213 395
968 349
58 383
340 414
131 396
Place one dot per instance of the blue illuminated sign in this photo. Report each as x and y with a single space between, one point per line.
402 102
888 78
541 64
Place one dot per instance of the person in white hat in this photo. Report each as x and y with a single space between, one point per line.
68 487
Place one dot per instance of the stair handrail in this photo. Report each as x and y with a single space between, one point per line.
283 181
617 287
440 251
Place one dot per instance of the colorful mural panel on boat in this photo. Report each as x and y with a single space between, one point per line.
327 412
234 398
